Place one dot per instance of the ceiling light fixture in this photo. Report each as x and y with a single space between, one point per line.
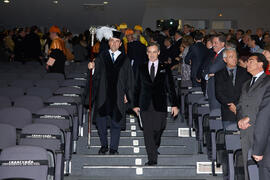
6 1
105 2
55 2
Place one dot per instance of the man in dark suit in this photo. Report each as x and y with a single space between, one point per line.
112 89
195 56
214 65
253 107
136 52
152 84
228 83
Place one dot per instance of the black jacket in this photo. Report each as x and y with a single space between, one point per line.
110 87
146 91
196 55
227 93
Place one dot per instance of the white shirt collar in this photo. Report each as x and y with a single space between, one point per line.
116 54
220 50
155 64
259 74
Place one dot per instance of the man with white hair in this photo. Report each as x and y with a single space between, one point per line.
229 82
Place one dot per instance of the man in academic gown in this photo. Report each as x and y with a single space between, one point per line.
112 89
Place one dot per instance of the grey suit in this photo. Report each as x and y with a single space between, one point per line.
249 106
261 144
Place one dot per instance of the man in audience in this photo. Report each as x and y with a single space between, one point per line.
33 46
228 83
244 50
187 29
261 147
266 39
252 106
195 56
136 52
214 65
239 36
259 34
153 80
253 44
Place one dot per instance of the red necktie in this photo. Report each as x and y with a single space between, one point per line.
215 57
267 71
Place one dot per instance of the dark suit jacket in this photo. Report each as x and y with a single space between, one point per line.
196 55
146 91
214 65
137 51
262 129
227 93
123 84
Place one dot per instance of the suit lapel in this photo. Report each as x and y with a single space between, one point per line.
146 72
158 71
256 84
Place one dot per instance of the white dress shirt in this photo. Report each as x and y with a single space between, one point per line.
257 76
116 54
155 65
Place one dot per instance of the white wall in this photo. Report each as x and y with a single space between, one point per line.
71 14
246 18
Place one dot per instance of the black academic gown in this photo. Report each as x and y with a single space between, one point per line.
102 93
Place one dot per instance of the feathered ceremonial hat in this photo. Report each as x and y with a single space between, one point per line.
107 33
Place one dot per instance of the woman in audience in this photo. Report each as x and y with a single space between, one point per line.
184 69
266 53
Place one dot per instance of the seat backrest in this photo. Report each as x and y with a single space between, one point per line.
20 83
54 115
3 83
73 83
47 83
17 117
12 92
47 136
4 102
215 112
69 91
7 136
232 142
24 162
68 103
31 76
230 126
55 76
44 93
32 103
253 170
8 76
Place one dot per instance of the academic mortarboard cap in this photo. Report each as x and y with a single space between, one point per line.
116 34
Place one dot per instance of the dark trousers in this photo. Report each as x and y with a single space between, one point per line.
154 123
102 124
264 173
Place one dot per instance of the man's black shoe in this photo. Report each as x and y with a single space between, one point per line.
150 163
113 152
103 150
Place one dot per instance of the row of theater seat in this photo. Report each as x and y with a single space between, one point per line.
221 138
41 116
